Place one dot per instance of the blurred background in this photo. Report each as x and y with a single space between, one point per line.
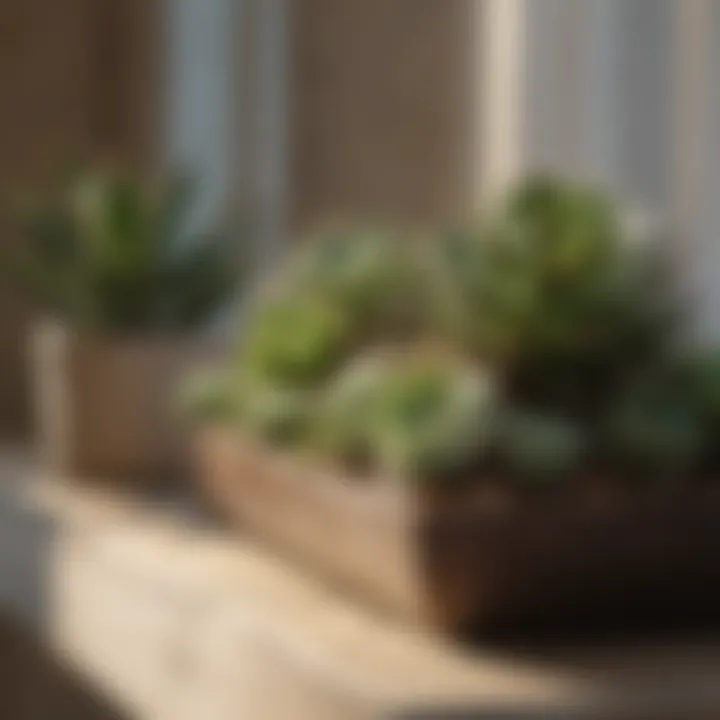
304 109
293 112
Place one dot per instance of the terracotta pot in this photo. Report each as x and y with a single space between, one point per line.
104 405
476 558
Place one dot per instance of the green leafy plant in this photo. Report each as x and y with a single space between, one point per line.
345 289
223 397
109 252
275 413
702 378
430 416
211 396
406 414
553 291
540 339
656 428
540 447
345 409
368 272
296 341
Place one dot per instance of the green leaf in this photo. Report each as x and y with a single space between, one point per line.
114 252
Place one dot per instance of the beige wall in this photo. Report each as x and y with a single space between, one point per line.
598 91
71 82
381 109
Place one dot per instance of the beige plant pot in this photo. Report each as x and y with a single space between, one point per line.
105 405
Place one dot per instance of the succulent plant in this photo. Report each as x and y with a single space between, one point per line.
344 290
702 376
277 414
345 411
431 417
522 339
407 414
657 428
552 290
540 447
368 272
109 252
211 396
296 341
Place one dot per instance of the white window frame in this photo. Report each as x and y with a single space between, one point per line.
226 110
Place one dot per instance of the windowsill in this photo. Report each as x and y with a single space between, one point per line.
163 610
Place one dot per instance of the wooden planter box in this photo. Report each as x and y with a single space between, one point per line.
104 405
481 558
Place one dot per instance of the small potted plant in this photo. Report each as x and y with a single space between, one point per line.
124 292
494 425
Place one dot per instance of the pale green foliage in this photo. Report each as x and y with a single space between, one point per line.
296 341
276 413
412 415
526 340
345 289
368 272
224 397
109 252
345 409
432 417
212 396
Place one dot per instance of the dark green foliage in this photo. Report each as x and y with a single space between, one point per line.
368 272
540 447
108 252
702 378
552 291
657 429
542 339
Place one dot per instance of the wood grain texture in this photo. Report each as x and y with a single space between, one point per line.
106 406
479 558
